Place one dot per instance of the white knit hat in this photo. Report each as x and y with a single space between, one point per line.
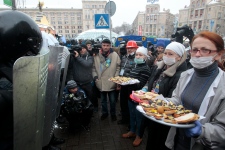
142 50
178 48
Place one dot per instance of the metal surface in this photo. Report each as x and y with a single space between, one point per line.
53 80
29 86
165 123
66 56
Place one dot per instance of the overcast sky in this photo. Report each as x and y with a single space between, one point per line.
126 10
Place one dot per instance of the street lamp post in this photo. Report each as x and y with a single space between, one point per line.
13 4
110 20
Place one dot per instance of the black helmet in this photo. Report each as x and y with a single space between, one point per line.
19 34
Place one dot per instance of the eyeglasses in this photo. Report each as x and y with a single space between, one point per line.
202 51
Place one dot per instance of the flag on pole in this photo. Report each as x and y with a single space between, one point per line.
8 3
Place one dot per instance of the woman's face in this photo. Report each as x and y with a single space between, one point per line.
202 47
140 55
171 54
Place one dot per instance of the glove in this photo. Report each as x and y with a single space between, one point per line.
195 131
144 89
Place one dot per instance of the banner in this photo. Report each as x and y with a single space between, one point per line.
140 30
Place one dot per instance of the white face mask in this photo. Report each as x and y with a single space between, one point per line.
169 61
202 62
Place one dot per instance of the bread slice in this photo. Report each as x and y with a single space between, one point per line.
170 121
187 118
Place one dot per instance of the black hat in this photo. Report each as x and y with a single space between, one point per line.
106 41
83 46
71 84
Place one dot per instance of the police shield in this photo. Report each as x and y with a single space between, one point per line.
64 67
29 89
53 80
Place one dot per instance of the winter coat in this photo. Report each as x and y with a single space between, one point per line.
127 63
80 69
212 108
105 68
171 77
140 72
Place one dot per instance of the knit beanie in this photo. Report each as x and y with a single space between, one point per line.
71 84
142 50
160 43
178 48
88 42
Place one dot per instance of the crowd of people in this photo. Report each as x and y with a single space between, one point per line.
198 87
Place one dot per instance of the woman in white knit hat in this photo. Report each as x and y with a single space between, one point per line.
141 72
163 81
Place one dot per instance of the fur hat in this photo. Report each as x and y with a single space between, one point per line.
71 84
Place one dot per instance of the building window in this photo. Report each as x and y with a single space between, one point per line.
52 22
59 18
72 27
60 31
59 27
73 31
59 22
79 31
79 27
67 31
59 13
78 17
66 27
66 22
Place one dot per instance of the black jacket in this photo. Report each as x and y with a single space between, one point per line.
142 73
168 84
127 63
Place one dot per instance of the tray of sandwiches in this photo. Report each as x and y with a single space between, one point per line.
167 113
124 80
140 96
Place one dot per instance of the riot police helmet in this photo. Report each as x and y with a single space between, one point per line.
19 35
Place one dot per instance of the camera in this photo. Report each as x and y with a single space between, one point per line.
152 49
75 48
74 104
183 31
95 48
123 50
